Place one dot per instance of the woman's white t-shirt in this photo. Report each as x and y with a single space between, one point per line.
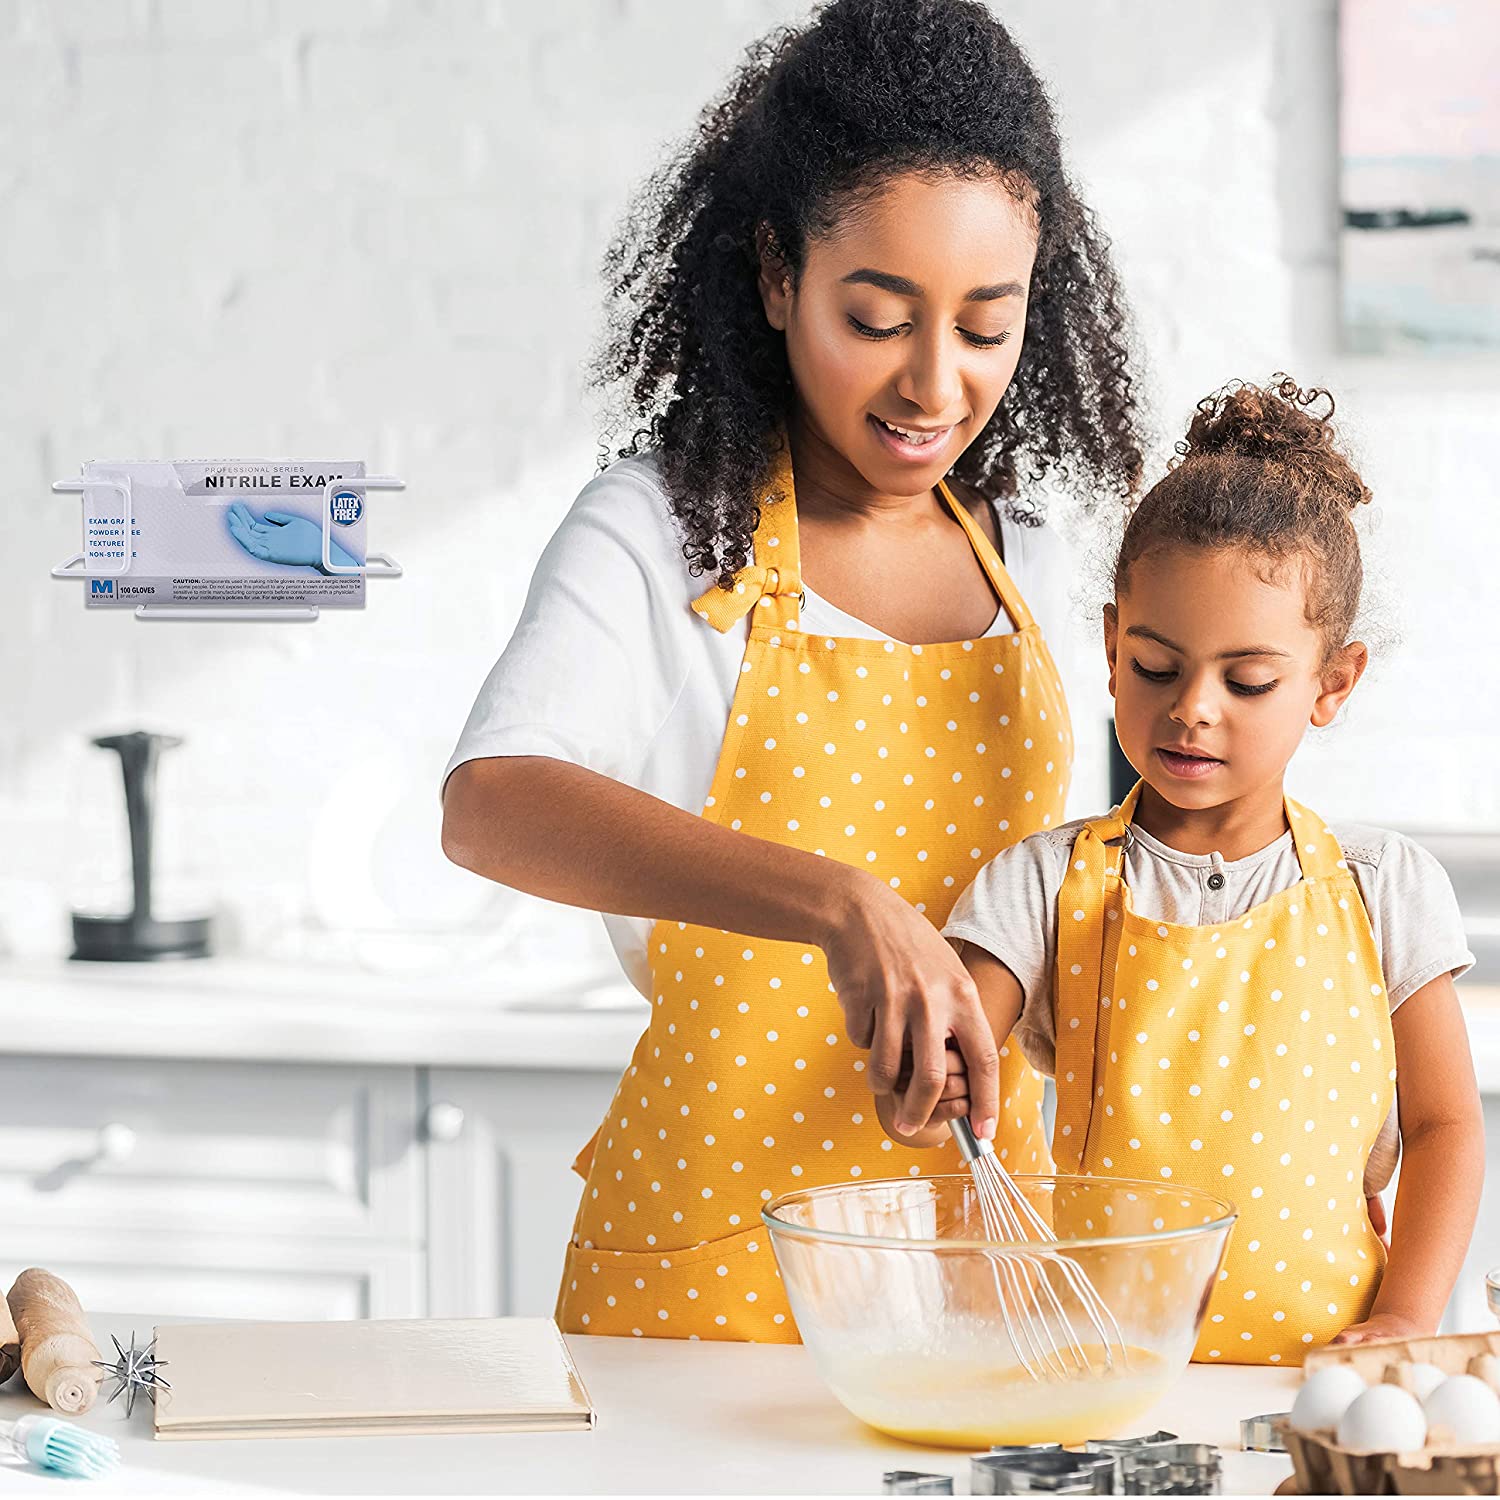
609 668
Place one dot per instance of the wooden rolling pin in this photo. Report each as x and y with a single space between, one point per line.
10 1344
57 1349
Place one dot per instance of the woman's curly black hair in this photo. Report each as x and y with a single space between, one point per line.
812 120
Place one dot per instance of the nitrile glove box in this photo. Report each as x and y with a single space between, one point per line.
223 532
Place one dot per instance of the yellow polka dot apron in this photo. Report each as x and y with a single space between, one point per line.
1253 1059
917 763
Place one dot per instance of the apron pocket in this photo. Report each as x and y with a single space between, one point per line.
727 1288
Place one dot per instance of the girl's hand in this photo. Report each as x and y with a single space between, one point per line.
1382 1326
904 992
953 1104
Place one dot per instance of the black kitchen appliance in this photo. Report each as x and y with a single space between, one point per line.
138 936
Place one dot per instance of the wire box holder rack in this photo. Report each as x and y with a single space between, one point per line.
375 565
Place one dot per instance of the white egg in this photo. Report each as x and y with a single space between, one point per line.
1324 1397
1466 1409
1421 1378
1385 1419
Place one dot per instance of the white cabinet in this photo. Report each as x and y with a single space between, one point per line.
286 1190
500 1185
280 1190
215 1188
314 1150
251 1275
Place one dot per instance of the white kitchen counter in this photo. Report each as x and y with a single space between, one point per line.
251 1011
263 1011
674 1418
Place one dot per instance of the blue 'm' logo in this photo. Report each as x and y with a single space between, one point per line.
104 587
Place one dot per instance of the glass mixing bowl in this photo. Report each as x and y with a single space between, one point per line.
896 1291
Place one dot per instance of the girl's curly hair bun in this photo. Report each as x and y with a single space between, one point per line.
1260 470
1278 424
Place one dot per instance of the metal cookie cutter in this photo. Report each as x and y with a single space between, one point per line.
1258 1434
1046 1472
1130 1444
911 1482
1172 1469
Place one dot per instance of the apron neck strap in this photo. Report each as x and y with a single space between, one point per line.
772 584
1087 903
1318 851
1108 832
995 570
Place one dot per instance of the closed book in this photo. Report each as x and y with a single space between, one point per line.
359 1379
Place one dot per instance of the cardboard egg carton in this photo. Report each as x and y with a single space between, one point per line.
1324 1468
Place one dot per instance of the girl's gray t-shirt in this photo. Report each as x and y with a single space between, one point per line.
1011 912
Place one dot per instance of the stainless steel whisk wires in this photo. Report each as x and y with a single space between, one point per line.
1032 1310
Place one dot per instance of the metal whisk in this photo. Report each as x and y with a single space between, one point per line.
1040 1329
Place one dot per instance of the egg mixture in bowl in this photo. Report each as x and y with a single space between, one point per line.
900 1296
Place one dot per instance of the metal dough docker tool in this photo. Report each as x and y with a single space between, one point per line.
135 1370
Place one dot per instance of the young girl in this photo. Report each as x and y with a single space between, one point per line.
1230 993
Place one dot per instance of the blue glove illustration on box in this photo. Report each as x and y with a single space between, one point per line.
281 538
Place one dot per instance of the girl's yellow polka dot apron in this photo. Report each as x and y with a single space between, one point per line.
1254 1060
917 763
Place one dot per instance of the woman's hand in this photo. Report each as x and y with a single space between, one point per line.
905 993
954 1104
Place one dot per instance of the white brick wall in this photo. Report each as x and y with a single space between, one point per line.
372 226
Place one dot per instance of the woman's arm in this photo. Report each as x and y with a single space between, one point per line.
1001 998
1442 1166
568 834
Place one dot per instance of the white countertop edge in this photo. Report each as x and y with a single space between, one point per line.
242 1011
588 1042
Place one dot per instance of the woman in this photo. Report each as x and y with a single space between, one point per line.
821 310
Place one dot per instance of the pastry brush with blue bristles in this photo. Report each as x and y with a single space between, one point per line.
50 1443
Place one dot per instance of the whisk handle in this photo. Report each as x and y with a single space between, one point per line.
970 1147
